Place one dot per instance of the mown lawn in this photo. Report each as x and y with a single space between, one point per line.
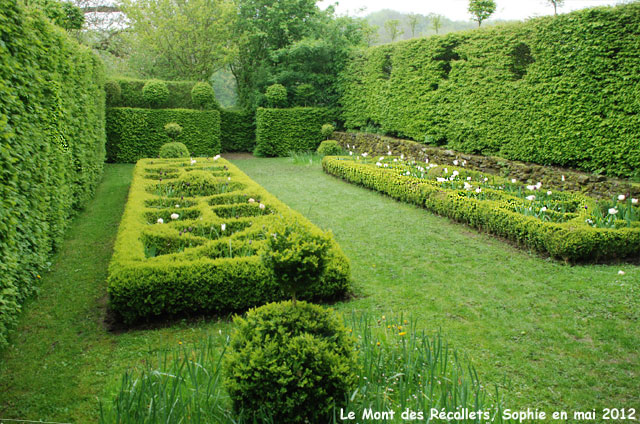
553 336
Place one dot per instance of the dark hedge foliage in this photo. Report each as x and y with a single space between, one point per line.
155 93
553 91
281 131
174 150
238 130
52 136
134 133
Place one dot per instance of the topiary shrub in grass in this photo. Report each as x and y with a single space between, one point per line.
203 96
155 92
290 363
296 256
329 148
174 150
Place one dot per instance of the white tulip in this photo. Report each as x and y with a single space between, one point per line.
532 197
160 221
193 161
175 216
223 227
455 162
563 178
216 157
478 190
549 193
252 200
621 272
543 209
468 178
486 179
513 180
365 154
621 197
634 201
440 180
261 206
613 211
177 206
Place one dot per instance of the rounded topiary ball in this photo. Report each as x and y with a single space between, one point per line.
174 150
327 131
276 95
292 363
329 148
113 91
155 92
173 130
203 96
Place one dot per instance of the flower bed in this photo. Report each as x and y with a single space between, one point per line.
569 226
190 242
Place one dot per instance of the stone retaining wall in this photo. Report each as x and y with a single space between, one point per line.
550 176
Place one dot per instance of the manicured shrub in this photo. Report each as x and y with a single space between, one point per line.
281 131
51 146
113 91
296 256
276 95
190 242
327 130
173 130
291 363
174 150
238 130
329 148
567 226
552 91
203 96
155 93
134 133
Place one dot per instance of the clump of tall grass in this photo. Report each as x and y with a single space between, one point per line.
400 368
305 158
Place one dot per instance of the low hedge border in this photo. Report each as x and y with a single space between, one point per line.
496 212
592 185
191 265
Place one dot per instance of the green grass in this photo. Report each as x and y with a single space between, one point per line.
553 336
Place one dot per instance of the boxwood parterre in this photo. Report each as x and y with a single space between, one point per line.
190 241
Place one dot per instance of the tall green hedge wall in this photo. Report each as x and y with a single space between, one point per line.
238 130
131 94
280 131
134 133
559 90
52 139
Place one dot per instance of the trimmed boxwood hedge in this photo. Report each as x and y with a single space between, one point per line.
563 235
238 130
554 90
134 133
52 136
298 129
191 265
131 94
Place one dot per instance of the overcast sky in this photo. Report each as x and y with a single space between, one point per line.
457 9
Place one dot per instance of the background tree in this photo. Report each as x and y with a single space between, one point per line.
181 39
393 29
436 22
480 10
556 4
413 20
